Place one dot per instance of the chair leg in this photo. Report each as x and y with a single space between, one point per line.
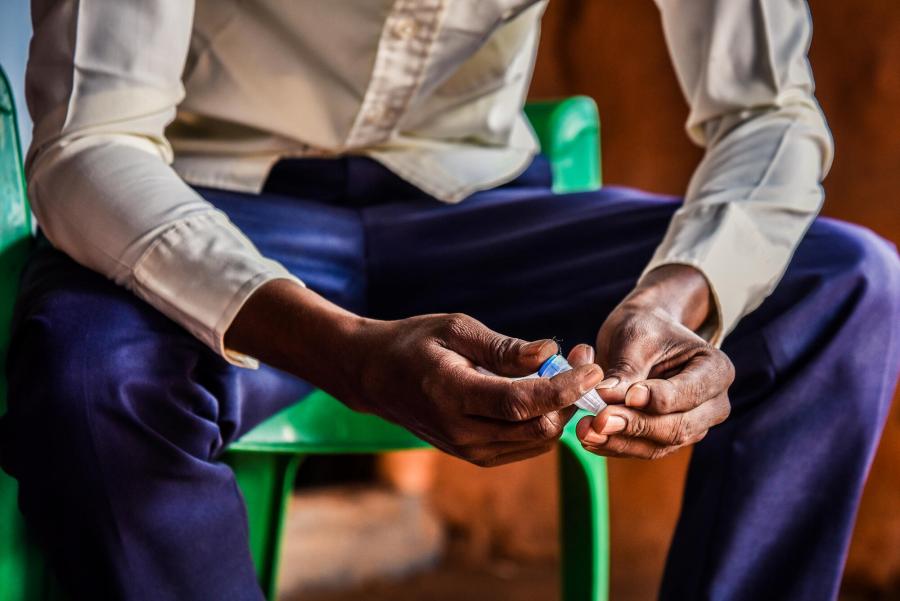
584 521
266 481
24 575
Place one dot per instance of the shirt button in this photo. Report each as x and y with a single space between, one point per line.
404 28
377 115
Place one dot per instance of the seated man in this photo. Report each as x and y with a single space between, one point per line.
348 192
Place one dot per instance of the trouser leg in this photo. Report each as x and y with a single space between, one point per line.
117 418
772 493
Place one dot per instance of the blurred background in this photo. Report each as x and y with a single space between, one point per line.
421 525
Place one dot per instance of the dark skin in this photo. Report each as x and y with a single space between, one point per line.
666 386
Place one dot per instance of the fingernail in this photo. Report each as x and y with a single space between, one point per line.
608 383
614 424
637 396
594 438
591 354
534 348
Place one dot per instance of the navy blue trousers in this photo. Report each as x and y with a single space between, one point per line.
117 416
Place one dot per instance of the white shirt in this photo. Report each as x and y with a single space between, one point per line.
132 100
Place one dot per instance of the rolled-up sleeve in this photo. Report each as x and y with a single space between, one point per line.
742 64
103 82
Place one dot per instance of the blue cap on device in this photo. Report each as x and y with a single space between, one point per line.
557 364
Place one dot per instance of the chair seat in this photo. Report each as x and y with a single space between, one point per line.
319 423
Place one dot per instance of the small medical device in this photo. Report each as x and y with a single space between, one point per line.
557 364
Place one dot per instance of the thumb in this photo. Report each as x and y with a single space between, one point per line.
624 366
502 355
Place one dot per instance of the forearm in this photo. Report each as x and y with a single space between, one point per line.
767 147
294 329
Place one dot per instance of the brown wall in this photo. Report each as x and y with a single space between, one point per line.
613 50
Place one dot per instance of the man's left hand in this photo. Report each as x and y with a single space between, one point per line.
666 385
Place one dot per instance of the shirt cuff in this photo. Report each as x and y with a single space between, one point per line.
727 245
199 272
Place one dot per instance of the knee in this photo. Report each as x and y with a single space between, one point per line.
863 265
58 361
89 381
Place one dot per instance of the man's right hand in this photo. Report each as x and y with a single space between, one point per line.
419 372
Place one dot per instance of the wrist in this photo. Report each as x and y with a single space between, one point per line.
294 329
680 291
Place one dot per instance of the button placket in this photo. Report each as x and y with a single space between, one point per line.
403 52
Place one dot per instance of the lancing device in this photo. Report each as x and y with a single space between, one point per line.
557 364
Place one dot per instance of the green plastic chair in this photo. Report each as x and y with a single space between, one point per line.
265 460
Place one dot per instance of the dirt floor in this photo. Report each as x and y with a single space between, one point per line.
349 543
456 581
506 581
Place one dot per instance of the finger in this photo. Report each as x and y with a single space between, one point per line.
629 363
502 355
706 375
479 431
629 448
520 400
582 354
611 446
675 429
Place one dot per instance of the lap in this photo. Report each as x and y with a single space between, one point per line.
533 264
85 349
525 261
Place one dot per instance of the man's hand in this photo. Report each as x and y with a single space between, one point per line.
674 385
418 372
421 373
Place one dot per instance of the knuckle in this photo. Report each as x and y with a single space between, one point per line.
658 453
723 412
695 392
548 427
664 398
564 395
724 366
632 329
698 437
637 426
501 347
680 432
457 325
729 368
513 406
594 448
726 409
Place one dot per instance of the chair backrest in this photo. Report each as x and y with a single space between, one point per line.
22 575
15 219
